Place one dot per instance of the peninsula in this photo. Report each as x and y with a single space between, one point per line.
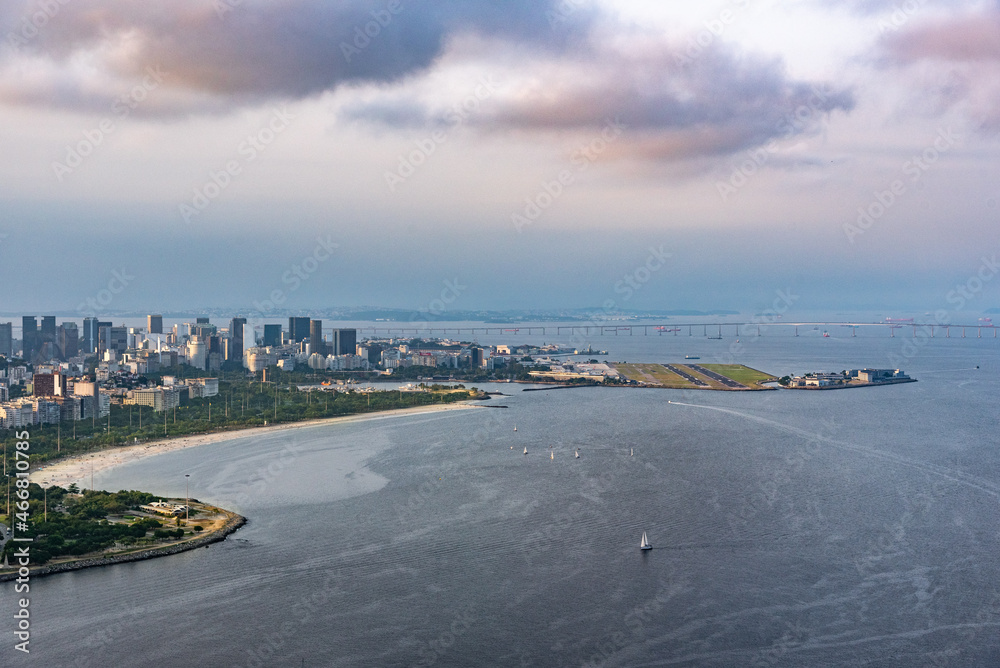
97 528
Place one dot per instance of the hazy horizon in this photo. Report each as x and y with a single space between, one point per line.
535 153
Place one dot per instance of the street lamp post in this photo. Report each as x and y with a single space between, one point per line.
187 497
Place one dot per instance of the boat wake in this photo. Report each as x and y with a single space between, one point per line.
957 477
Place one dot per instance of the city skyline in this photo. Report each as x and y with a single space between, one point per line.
465 155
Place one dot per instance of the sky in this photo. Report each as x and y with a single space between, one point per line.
262 155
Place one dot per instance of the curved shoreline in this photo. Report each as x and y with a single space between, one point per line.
232 524
79 468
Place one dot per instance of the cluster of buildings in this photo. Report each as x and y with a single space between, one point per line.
199 344
847 378
305 344
64 394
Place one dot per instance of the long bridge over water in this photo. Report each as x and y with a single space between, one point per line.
714 330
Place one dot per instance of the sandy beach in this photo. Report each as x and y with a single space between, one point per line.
79 468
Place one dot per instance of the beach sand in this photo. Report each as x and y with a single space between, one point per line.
80 468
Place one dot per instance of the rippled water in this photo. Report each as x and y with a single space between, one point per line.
855 527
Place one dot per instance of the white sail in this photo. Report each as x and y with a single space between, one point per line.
644 544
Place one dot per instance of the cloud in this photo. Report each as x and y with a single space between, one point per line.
565 72
244 51
676 102
953 63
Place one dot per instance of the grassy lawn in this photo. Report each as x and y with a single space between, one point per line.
653 374
739 373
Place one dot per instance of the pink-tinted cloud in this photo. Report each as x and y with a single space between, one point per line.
953 64
675 106
247 51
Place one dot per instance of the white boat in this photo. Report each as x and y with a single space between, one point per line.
526 451
578 454
644 544
552 455
515 427
632 452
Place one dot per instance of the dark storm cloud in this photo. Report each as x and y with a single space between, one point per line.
248 51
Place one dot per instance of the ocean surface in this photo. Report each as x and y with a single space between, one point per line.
846 528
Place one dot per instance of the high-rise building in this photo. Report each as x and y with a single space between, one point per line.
196 353
48 329
154 324
88 338
112 338
68 340
102 336
201 321
236 327
298 329
272 335
7 339
345 341
29 337
316 343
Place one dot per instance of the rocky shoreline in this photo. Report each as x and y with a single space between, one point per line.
232 524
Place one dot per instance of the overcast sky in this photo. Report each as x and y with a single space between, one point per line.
536 154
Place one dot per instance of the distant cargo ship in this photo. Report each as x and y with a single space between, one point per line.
691 357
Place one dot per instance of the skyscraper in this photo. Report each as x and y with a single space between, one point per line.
236 327
7 339
88 336
102 337
345 341
154 324
29 336
272 335
316 343
298 329
68 340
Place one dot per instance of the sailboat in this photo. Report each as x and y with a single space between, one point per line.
515 427
577 453
526 451
553 455
632 452
644 544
